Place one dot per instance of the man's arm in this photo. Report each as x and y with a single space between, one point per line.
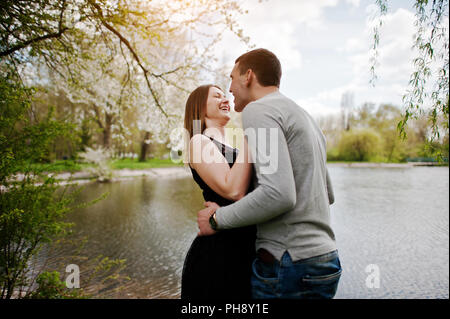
330 189
276 191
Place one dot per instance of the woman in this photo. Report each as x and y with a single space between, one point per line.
217 266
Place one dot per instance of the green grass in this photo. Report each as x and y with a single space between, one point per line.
351 162
60 166
135 164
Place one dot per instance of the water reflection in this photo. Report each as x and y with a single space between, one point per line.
394 218
150 223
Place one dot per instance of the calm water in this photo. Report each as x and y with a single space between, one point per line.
394 218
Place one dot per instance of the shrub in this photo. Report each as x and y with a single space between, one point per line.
360 145
100 158
50 286
32 205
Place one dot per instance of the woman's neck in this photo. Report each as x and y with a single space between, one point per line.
217 133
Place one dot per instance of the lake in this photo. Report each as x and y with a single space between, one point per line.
392 223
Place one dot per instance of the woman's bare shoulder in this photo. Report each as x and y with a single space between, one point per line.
197 144
200 138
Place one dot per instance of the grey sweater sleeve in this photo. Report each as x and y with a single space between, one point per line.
275 193
330 189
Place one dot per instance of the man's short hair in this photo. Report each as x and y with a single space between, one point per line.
264 64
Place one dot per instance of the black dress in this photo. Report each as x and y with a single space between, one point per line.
219 266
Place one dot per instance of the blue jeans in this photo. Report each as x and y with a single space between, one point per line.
312 278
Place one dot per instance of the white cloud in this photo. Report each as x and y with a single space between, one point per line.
354 3
393 69
353 44
275 12
327 42
324 102
395 54
271 24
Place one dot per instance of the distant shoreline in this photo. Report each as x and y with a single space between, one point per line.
125 174
385 165
181 171
82 177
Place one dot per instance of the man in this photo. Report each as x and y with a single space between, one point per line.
296 250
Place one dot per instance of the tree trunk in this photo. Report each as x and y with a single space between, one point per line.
107 131
145 146
106 128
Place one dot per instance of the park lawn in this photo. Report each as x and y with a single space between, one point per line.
129 163
61 166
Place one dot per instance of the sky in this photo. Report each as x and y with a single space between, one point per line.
324 49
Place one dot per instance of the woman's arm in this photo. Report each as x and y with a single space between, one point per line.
214 170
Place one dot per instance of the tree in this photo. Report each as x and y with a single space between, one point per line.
428 90
359 145
347 104
32 204
114 59
363 116
385 122
52 31
30 214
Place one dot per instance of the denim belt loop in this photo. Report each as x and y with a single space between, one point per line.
286 259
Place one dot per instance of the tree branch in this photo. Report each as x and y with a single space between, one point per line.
31 41
161 76
49 35
133 53
97 112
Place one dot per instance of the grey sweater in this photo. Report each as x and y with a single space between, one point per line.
291 200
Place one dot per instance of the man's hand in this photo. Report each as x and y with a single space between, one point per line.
203 219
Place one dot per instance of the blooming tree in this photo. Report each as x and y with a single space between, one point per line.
119 56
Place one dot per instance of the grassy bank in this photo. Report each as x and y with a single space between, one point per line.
61 166
129 163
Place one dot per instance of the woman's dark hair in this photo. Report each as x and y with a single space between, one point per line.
196 109
264 64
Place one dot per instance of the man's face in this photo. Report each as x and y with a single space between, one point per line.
239 88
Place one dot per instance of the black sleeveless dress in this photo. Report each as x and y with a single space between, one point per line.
219 266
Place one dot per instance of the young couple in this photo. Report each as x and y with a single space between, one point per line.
265 233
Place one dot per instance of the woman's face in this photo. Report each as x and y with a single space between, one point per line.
217 107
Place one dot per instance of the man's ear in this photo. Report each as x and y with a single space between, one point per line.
249 77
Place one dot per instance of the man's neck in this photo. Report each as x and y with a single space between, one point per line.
261 91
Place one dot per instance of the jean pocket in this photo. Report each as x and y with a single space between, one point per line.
323 279
265 272
265 280
322 286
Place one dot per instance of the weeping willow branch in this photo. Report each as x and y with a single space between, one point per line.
382 5
428 91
